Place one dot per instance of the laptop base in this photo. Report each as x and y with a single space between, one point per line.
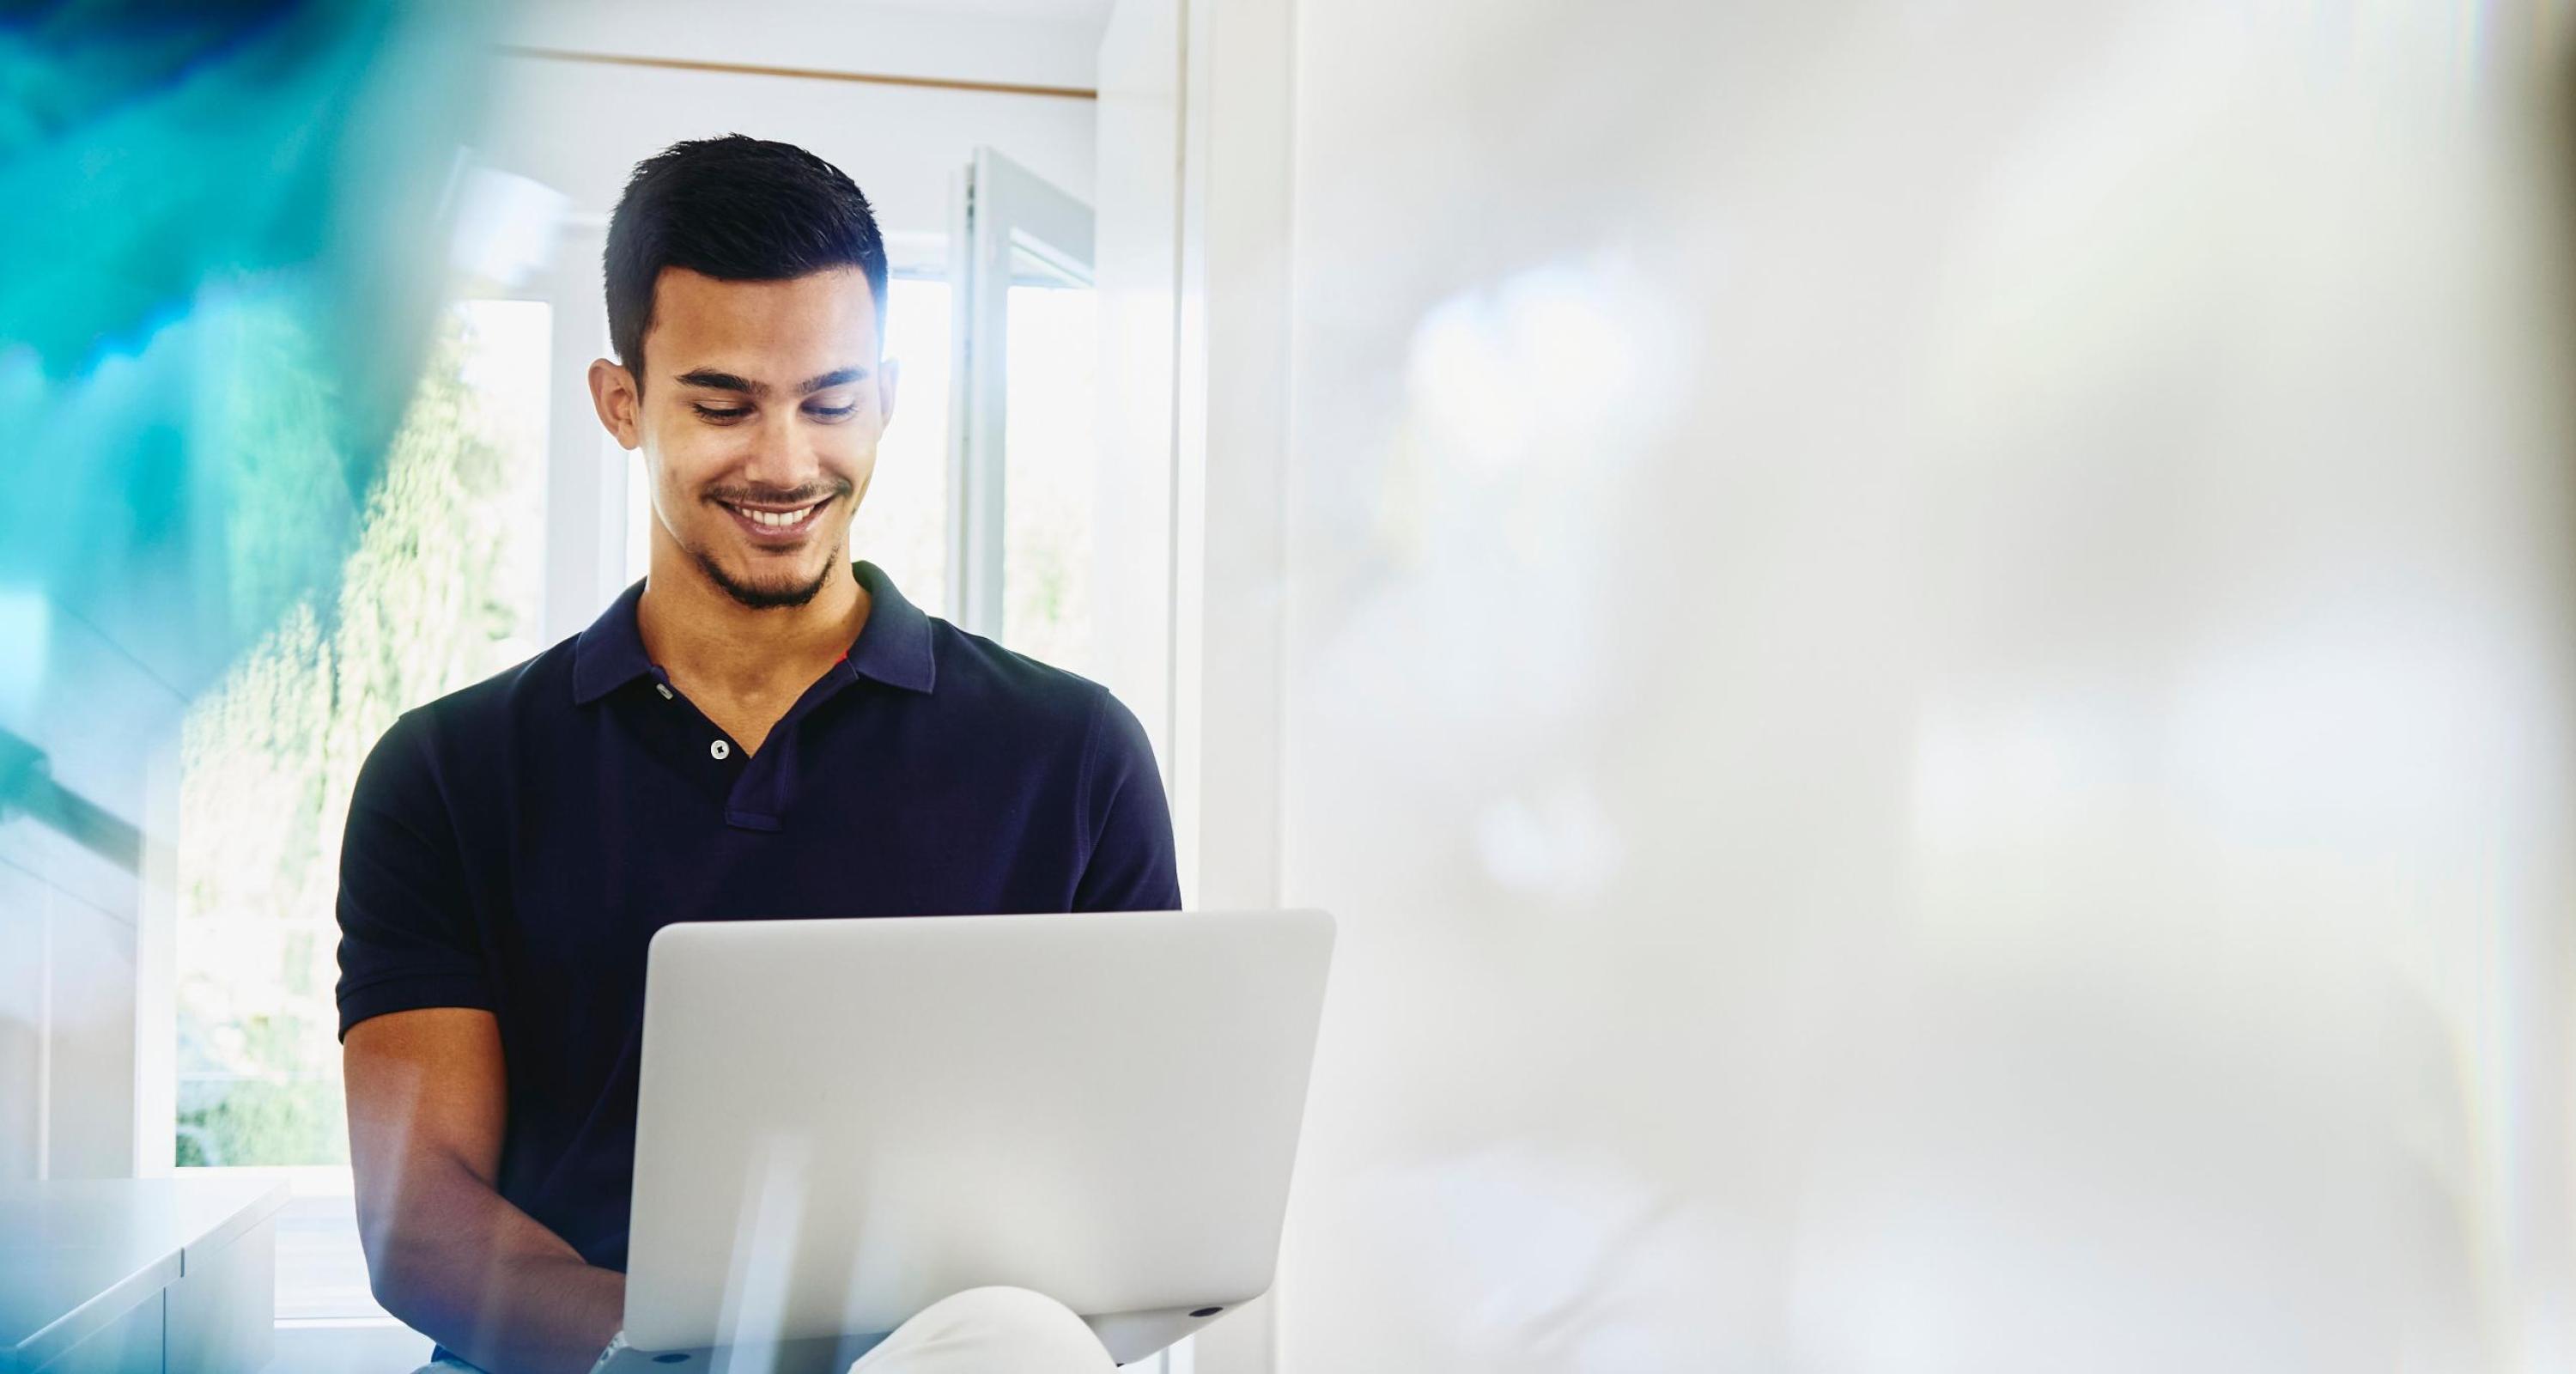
1128 1336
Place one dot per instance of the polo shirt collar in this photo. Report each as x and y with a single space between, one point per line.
892 648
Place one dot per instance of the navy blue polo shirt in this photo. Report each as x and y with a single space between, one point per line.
514 845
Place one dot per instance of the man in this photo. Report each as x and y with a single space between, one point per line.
761 728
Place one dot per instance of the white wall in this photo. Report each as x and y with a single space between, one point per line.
1192 232
1927 663
581 128
1136 233
1019 42
85 1016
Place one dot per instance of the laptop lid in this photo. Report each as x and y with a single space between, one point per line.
843 1121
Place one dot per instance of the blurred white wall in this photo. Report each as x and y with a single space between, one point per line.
86 1020
1926 659
1136 218
1027 42
581 128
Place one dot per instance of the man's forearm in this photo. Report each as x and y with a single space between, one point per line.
485 1280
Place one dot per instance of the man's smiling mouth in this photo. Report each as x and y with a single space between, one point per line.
774 523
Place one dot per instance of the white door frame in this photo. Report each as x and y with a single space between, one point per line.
1002 211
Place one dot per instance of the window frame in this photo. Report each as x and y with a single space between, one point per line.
579 558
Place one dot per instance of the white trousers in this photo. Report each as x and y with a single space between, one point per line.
990 1331
979 1331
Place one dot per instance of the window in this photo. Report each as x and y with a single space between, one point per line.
441 590
1050 422
1030 415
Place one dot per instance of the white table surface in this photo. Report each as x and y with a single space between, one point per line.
76 1254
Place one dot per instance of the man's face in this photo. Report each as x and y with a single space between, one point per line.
758 422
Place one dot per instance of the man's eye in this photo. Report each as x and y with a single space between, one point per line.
719 414
833 412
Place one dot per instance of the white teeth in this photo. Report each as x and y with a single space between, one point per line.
776 519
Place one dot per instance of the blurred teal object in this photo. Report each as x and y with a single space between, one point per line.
222 253
223 248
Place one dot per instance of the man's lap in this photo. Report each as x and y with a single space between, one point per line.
979 1331
990 1331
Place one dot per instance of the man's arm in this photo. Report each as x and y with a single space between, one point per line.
445 1252
1132 866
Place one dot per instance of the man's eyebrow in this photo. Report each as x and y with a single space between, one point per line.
837 377
722 381
726 381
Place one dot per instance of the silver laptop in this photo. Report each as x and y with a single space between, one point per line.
843 1121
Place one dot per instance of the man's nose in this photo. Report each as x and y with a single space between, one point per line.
782 454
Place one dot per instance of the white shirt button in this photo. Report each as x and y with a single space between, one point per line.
664 688
719 748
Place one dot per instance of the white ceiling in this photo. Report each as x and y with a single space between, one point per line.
1089 13
1040 42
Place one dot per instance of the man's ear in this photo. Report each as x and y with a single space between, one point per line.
888 369
613 395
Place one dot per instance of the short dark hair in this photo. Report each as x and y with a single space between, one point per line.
736 209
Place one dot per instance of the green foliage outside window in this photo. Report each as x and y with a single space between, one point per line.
431 599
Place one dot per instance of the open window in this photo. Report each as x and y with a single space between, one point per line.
1024 412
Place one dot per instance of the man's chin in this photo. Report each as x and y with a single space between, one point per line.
768 591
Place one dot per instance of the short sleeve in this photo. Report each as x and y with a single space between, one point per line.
1130 866
407 934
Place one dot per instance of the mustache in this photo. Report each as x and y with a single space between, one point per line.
805 495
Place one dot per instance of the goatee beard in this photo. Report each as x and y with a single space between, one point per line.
767 598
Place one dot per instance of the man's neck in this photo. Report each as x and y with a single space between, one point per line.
712 644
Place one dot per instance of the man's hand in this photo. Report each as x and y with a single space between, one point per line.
445 1253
